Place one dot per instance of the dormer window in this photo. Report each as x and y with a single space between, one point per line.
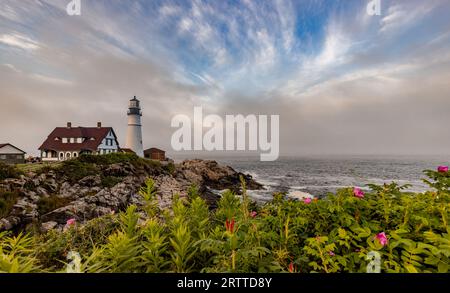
79 140
92 138
64 140
56 138
72 140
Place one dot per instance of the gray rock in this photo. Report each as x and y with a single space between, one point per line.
90 200
47 226
41 191
90 181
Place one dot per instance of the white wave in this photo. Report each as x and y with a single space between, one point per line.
299 187
299 194
266 182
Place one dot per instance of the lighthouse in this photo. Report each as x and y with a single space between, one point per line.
134 132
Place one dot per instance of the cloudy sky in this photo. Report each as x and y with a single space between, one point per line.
343 82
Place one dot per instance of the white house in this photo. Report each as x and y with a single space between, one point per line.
69 142
10 154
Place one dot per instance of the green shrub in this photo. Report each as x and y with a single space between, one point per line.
7 200
17 254
51 203
9 171
108 159
56 245
75 170
170 167
110 181
340 233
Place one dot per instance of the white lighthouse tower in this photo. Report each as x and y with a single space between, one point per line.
134 132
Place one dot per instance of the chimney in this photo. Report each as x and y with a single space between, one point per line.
69 124
99 124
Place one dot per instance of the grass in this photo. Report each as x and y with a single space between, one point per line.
110 181
7 200
48 204
36 167
9 171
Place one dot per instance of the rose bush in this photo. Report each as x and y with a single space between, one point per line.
409 231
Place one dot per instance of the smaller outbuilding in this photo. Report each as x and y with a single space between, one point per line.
10 154
155 154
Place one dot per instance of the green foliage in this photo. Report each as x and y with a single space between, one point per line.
109 159
330 235
17 254
148 194
51 203
9 171
77 169
7 200
170 167
56 245
110 181
90 165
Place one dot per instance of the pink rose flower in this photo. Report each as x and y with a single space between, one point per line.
358 192
382 238
253 214
331 253
307 200
443 169
71 222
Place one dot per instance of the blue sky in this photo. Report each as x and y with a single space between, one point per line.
320 64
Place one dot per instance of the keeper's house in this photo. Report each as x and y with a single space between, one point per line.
155 154
69 142
10 154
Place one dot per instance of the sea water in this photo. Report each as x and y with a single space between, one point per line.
316 176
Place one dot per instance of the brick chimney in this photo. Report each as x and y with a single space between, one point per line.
99 124
69 124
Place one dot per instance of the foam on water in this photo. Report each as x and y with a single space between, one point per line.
318 176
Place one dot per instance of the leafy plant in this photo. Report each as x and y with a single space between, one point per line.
388 229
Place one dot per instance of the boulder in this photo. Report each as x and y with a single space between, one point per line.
47 226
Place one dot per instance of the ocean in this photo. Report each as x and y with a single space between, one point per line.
316 176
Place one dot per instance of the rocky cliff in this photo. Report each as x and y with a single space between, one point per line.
86 188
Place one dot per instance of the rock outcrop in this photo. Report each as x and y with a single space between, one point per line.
49 199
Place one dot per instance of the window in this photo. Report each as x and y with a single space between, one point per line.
72 140
19 157
79 140
64 140
2 157
68 156
75 155
61 156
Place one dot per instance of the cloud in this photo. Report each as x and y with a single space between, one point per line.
405 14
341 81
19 41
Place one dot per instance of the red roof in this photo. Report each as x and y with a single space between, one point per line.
153 150
93 138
